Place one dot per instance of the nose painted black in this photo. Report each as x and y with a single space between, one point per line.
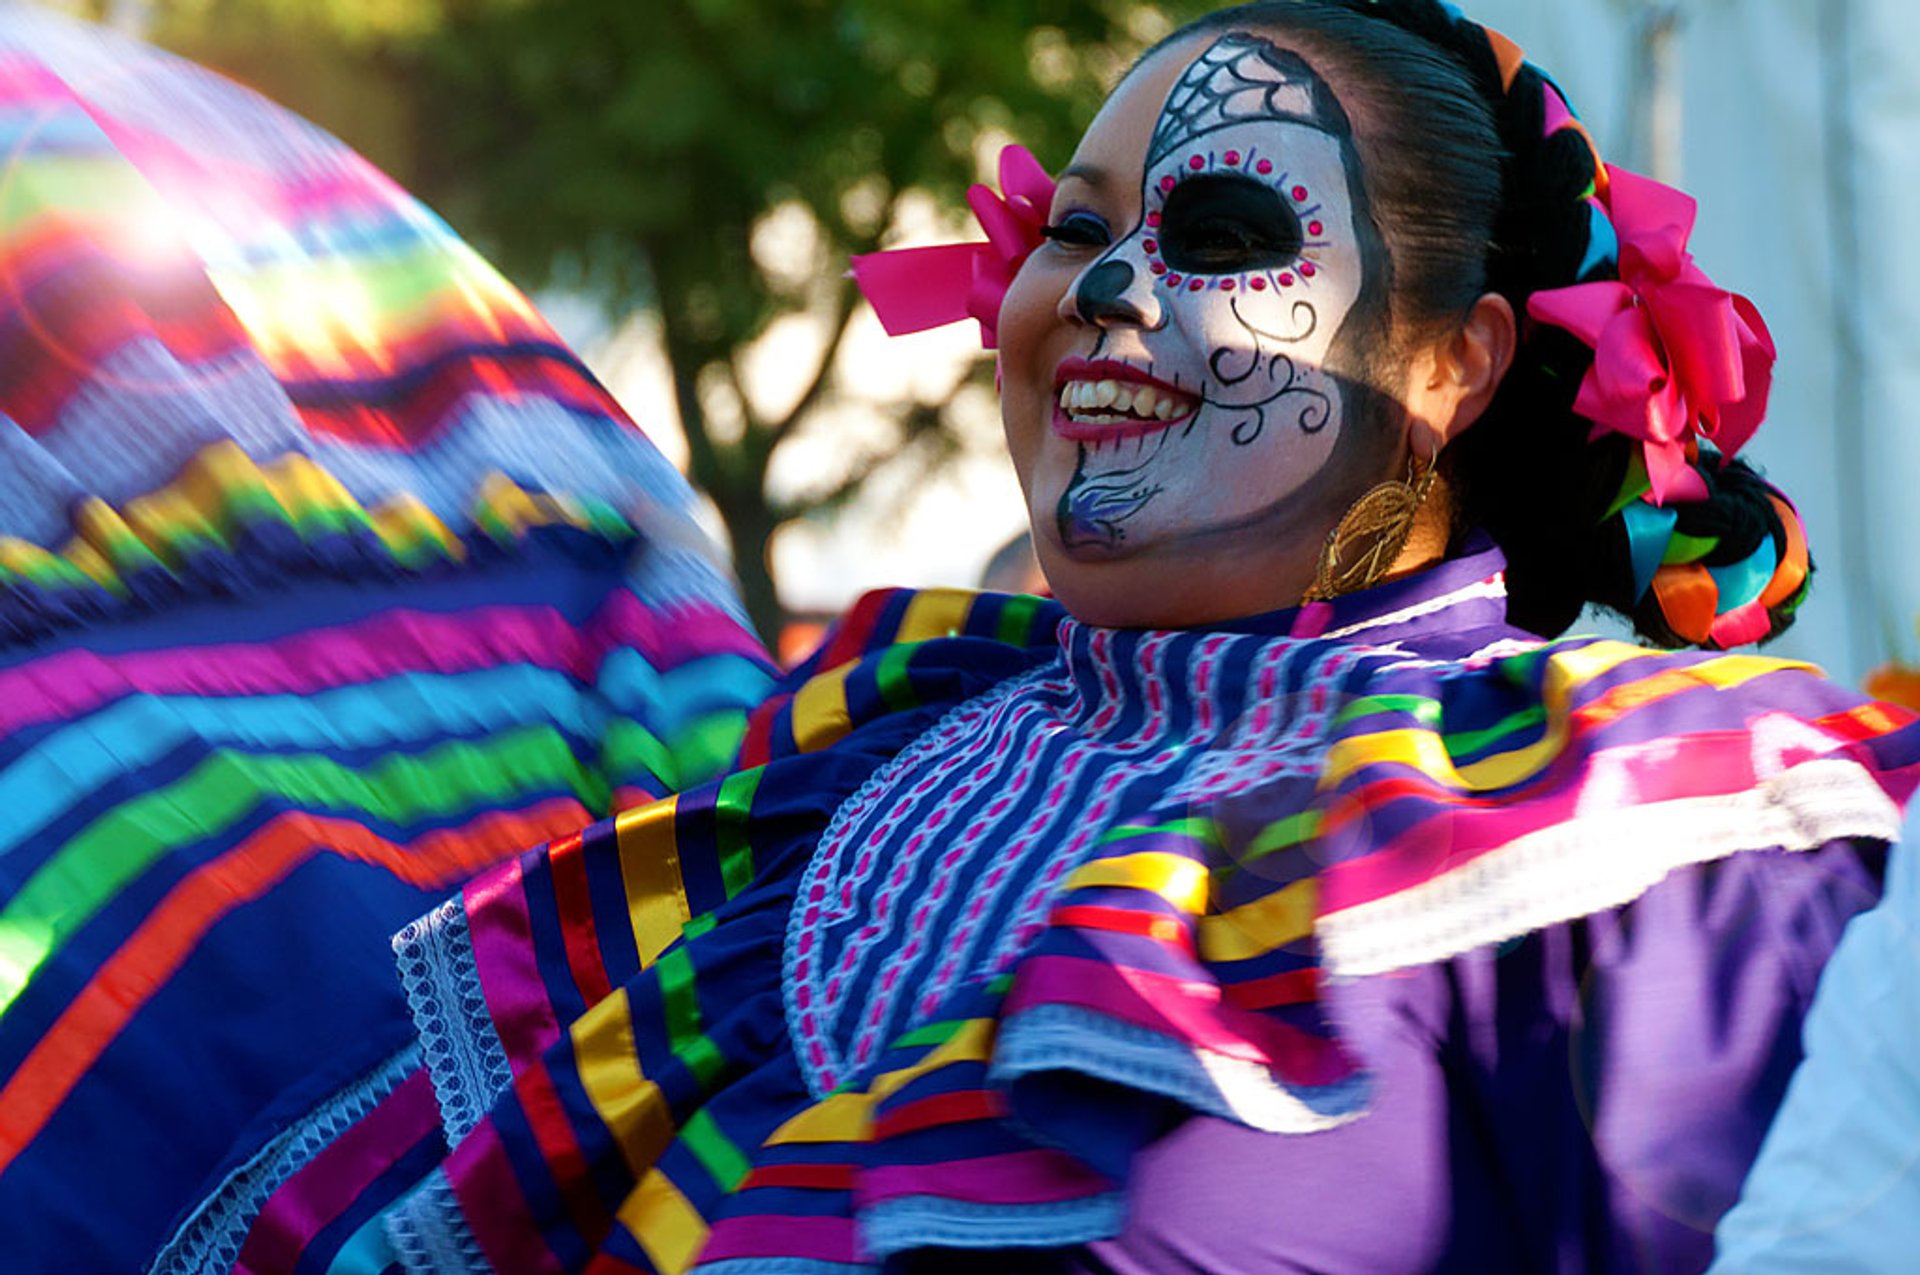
1102 295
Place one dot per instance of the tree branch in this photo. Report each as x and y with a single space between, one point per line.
846 297
922 421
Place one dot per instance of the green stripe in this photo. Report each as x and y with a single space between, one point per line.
453 779
1682 548
931 1034
1282 833
706 746
1199 828
695 753
715 1151
730 812
1424 710
680 1005
892 679
626 745
1016 620
1523 670
1632 487
1472 741
699 925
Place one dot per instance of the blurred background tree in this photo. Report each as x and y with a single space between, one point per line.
714 162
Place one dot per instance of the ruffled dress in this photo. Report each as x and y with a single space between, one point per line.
328 578
1016 944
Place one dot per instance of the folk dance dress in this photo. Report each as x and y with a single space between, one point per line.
1012 943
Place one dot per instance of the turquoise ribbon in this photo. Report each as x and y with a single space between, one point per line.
1649 527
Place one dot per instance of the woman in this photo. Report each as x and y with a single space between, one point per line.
1274 900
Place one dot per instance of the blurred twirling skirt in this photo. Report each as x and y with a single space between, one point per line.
328 576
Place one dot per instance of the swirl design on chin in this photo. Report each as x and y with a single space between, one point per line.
1095 504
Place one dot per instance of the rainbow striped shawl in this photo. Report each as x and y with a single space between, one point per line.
328 578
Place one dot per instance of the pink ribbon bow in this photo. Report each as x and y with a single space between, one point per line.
913 289
1673 355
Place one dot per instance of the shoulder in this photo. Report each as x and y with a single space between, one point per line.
1470 801
900 651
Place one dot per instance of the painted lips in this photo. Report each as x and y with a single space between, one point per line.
1103 400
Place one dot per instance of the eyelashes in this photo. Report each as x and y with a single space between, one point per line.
1079 229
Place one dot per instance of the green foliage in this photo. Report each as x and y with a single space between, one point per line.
634 146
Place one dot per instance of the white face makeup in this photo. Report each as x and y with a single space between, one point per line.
1206 402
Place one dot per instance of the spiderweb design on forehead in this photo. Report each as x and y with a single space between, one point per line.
1240 77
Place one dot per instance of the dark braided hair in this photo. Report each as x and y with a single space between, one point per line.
1474 195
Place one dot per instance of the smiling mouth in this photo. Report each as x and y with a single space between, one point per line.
1111 402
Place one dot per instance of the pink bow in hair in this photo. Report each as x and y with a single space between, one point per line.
1673 355
913 289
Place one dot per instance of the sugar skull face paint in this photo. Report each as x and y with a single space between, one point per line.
1204 394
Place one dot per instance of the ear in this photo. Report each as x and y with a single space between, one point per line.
1455 378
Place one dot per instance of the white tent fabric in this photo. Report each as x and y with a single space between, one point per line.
1798 121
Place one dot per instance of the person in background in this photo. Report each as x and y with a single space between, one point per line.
1837 1183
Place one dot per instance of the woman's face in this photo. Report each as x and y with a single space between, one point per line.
1179 403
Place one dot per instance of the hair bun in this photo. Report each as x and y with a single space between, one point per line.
1731 569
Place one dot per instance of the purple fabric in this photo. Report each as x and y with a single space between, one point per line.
1586 1099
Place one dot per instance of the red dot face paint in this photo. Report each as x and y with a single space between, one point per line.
1196 163
1300 194
1233 157
1264 167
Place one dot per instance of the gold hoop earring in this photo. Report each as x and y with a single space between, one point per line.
1368 538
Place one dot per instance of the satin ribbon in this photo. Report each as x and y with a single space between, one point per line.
914 289
1674 357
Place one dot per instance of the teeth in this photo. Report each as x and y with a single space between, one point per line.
1111 402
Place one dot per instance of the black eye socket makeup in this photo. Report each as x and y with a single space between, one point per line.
1223 223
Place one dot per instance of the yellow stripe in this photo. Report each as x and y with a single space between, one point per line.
301 487
1177 879
847 1117
1731 670
405 521
820 709
667 1226
85 556
840 1117
1256 928
631 1105
1567 670
650 869
1566 673
935 613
